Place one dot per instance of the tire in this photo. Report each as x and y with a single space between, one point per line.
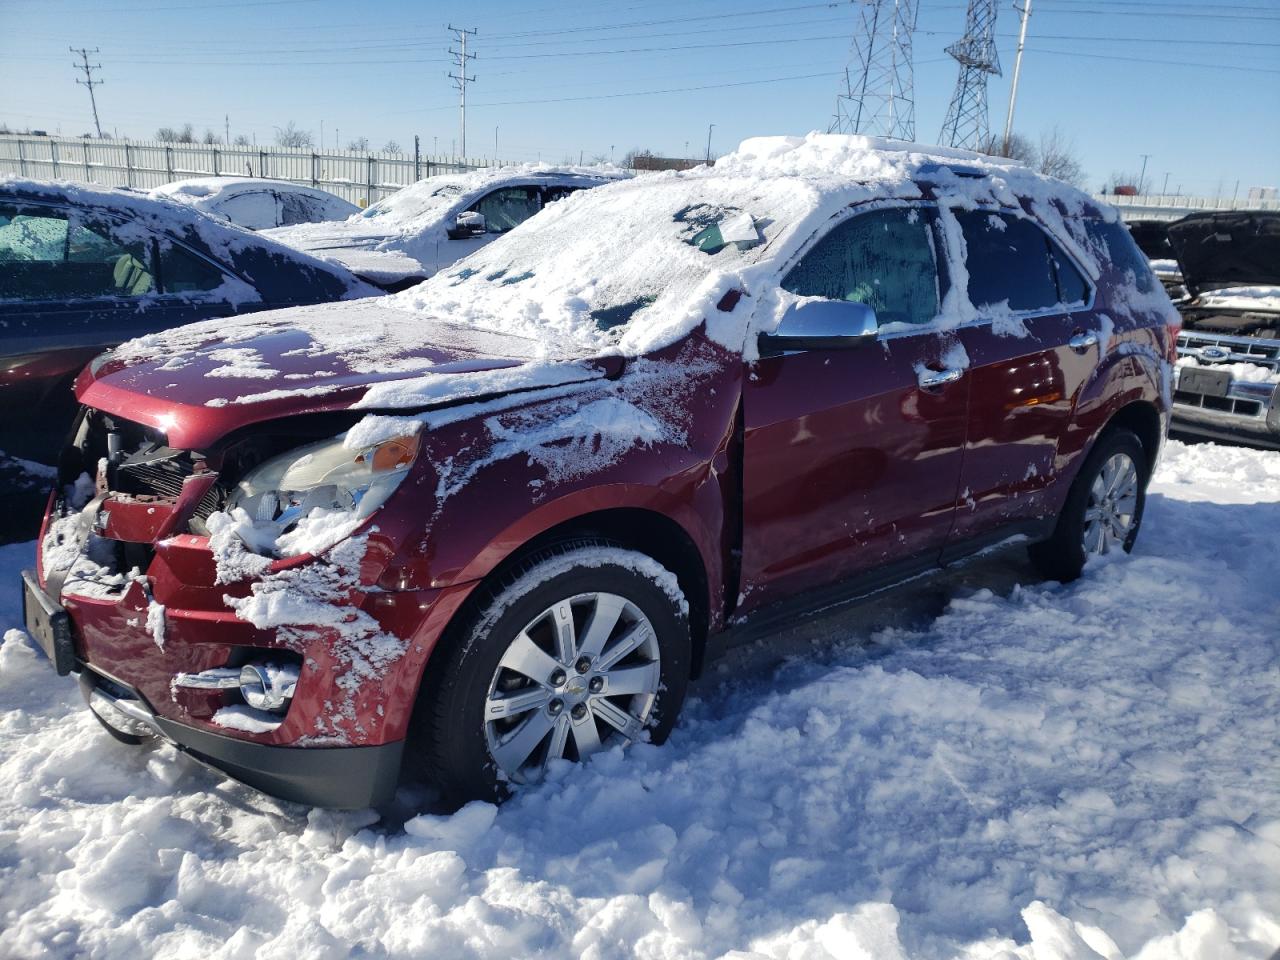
480 709
1084 528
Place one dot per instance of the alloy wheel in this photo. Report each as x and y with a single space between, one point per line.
1111 511
582 675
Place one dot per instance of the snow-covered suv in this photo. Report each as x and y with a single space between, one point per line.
488 525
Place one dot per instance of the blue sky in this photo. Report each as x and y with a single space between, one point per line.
1196 85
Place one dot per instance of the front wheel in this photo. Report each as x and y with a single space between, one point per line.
586 645
1103 510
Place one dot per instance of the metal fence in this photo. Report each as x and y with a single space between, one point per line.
358 176
1171 207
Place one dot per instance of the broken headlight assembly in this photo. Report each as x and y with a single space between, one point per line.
346 485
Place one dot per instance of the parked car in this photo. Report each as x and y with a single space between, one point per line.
1152 237
493 522
83 268
410 235
257 203
1228 375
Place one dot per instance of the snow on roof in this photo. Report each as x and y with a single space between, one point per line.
222 238
626 266
196 188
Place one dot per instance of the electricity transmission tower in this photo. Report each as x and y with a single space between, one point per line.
878 95
966 122
88 80
460 78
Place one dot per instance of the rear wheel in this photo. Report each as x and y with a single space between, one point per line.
584 647
1104 507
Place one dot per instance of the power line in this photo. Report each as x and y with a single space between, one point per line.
88 80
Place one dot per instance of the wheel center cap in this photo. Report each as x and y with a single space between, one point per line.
576 687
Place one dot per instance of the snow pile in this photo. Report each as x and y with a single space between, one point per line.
995 770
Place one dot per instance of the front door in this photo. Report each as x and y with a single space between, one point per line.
852 457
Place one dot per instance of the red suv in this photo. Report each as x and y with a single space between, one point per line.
491 523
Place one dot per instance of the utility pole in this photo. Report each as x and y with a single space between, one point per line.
460 78
1017 72
88 80
1165 189
226 119
495 144
1142 177
710 127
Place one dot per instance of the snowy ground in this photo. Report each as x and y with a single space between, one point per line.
980 767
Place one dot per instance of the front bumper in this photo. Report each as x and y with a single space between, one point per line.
346 778
1248 413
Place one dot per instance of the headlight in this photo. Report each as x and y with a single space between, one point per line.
325 484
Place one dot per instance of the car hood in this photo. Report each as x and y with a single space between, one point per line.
1219 250
198 383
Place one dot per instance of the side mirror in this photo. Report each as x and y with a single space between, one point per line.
821 325
467 224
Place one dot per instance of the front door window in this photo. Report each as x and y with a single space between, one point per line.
50 255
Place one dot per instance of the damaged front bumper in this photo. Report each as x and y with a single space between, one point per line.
347 778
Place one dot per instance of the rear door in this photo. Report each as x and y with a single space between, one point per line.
1032 302
852 457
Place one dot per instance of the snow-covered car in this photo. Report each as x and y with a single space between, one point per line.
492 523
415 232
1227 383
256 203
83 268
1152 238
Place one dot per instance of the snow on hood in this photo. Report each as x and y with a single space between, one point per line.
205 379
411 222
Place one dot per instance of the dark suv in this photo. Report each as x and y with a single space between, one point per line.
490 524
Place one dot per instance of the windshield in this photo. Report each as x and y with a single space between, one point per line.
620 265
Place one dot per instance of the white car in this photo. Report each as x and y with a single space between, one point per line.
257 203
407 237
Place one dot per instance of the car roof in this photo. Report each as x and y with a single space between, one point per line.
209 187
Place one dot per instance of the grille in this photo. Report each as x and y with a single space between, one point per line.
160 477
1241 408
1265 353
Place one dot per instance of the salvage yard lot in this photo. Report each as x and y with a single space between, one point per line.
981 766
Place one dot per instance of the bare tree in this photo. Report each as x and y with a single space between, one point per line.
241 140
167 134
290 136
1058 158
358 143
391 147
187 134
1018 148
210 137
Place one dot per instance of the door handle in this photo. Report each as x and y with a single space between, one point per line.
1082 341
929 379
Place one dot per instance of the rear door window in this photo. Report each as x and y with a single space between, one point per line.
883 258
298 208
509 207
48 254
182 272
1008 261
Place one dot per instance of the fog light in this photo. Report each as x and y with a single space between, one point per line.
268 686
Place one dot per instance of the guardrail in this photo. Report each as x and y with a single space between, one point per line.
358 176
1171 207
